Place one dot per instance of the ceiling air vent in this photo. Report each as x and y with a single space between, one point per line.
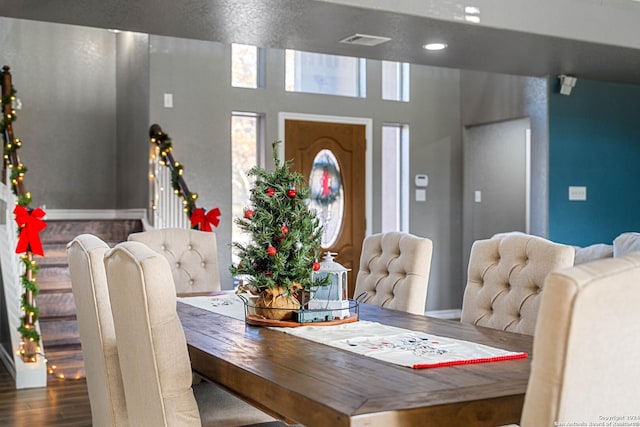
365 40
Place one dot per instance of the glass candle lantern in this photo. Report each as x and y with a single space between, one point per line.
334 295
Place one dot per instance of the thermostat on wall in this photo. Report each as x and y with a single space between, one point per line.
422 180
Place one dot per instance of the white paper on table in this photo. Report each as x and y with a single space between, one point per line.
226 304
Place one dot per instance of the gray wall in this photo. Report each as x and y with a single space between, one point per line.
132 142
65 78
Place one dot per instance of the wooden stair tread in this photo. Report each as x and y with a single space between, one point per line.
64 231
54 273
56 304
55 286
67 360
59 332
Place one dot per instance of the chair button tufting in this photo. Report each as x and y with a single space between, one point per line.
190 247
203 264
163 247
191 282
177 264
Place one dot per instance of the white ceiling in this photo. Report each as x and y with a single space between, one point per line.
318 26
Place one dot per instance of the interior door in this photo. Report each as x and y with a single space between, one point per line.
331 156
496 180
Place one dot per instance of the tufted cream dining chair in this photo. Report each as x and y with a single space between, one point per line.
506 276
192 255
97 334
394 271
152 348
586 348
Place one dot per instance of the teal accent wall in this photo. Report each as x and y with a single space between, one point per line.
594 141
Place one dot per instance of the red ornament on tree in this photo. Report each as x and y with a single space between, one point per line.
271 191
292 192
316 266
285 229
248 213
271 251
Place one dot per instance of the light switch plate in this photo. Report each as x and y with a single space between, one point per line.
168 100
577 193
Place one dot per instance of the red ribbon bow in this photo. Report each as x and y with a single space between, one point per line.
30 224
203 221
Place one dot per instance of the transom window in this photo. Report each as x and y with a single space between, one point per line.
247 66
325 74
395 81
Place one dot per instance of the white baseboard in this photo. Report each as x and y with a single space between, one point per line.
453 313
79 214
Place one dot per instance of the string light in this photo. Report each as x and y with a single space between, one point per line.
29 347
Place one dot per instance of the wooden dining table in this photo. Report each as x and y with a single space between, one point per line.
305 382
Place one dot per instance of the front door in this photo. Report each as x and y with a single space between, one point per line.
331 156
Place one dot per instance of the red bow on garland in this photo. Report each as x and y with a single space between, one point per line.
30 224
203 221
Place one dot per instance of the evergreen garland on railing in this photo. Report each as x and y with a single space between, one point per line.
199 218
30 285
30 223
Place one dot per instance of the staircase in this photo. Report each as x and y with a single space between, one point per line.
58 323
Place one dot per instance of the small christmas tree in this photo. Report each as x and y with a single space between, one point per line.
286 236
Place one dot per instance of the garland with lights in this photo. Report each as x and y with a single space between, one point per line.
30 222
200 218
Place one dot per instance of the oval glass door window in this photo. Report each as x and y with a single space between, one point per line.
326 195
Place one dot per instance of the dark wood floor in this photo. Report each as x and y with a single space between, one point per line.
63 403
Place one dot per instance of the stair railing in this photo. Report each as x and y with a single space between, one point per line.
29 223
176 208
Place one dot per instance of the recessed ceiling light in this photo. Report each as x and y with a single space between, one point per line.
435 46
